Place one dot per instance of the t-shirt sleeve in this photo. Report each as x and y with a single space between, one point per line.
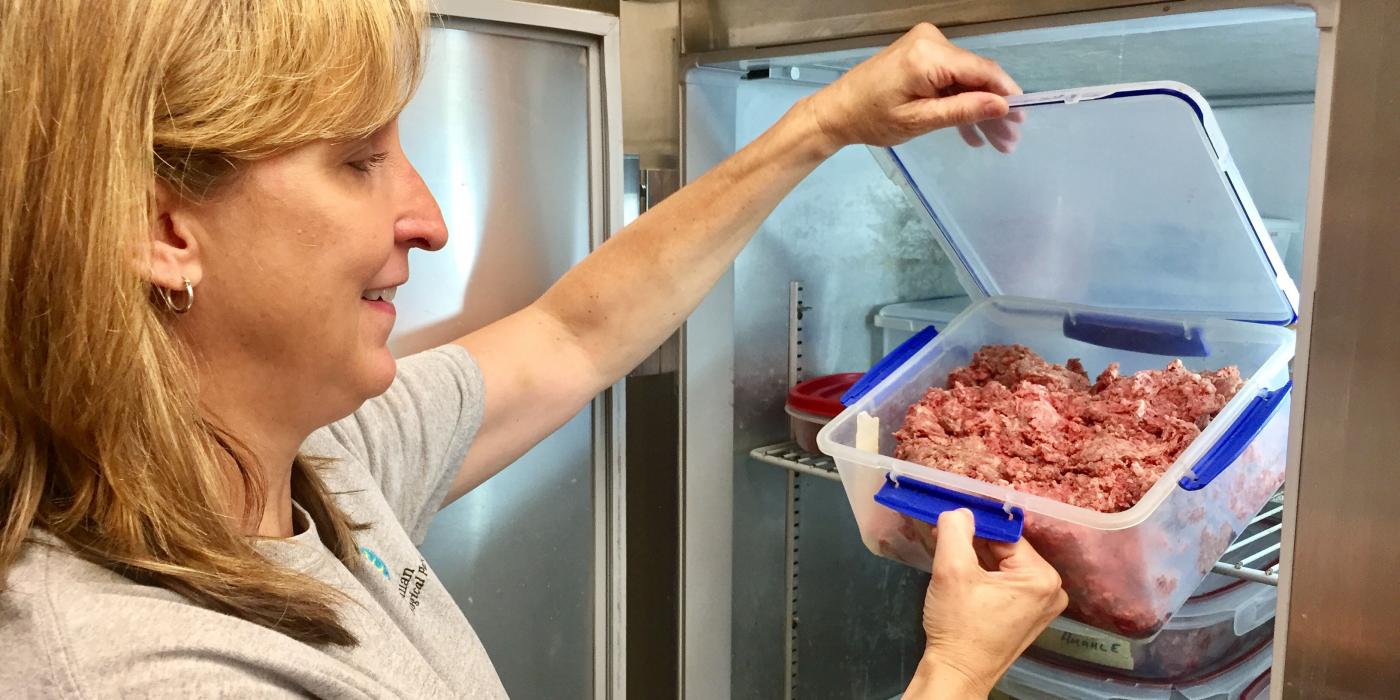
413 438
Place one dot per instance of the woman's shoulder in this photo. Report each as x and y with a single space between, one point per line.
49 572
51 590
69 627
49 606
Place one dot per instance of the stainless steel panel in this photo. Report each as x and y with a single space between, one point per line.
707 438
650 89
500 131
1341 561
859 618
851 236
1271 52
605 6
712 25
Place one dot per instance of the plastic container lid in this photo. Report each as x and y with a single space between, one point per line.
1028 678
1119 196
916 315
822 395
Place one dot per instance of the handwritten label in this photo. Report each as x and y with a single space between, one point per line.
1103 651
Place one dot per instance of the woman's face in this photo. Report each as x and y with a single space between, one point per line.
293 259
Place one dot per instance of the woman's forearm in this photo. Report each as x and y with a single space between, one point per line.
630 294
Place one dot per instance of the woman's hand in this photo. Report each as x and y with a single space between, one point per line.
985 605
917 84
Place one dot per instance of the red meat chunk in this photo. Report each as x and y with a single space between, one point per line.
1013 419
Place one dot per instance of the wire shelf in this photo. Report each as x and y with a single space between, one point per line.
793 458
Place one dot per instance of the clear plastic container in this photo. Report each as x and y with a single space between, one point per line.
1209 632
899 322
805 426
1125 572
1117 230
1260 687
1261 535
1120 197
1029 679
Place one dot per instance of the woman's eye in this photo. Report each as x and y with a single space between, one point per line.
365 165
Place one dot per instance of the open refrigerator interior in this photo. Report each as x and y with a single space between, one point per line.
846 269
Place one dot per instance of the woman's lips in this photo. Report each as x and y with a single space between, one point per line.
381 306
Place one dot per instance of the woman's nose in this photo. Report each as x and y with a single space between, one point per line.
420 225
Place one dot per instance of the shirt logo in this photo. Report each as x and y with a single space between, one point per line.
411 583
376 562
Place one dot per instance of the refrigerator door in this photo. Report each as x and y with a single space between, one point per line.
514 134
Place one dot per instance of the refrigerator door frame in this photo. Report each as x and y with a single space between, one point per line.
600 34
737 27
1309 660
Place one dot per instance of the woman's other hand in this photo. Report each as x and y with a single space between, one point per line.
917 84
986 603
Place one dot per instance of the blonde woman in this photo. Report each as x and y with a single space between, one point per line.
205 446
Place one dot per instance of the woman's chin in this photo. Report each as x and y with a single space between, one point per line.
380 368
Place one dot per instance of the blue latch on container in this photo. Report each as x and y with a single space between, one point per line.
888 364
1230 445
1136 334
925 502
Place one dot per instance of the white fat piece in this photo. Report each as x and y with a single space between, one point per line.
867 432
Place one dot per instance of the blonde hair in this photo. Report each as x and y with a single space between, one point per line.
102 441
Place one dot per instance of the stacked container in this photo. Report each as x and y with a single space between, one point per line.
1117 231
813 403
1029 679
899 322
1208 632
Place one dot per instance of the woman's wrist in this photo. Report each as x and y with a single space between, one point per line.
816 139
935 678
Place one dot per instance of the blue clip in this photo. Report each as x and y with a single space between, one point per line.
1135 334
1230 445
888 364
925 502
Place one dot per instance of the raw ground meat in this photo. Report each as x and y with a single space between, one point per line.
1013 419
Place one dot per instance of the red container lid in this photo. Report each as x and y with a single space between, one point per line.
822 395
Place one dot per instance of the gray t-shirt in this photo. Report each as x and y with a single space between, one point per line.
69 628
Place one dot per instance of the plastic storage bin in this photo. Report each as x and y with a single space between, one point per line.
899 322
1268 534
1033 680
813 403
1125 572
1122 215
1208 632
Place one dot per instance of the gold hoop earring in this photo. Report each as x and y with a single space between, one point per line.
166 295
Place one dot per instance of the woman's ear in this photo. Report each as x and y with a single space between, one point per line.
174 249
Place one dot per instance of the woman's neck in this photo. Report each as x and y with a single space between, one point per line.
272 454
277 520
